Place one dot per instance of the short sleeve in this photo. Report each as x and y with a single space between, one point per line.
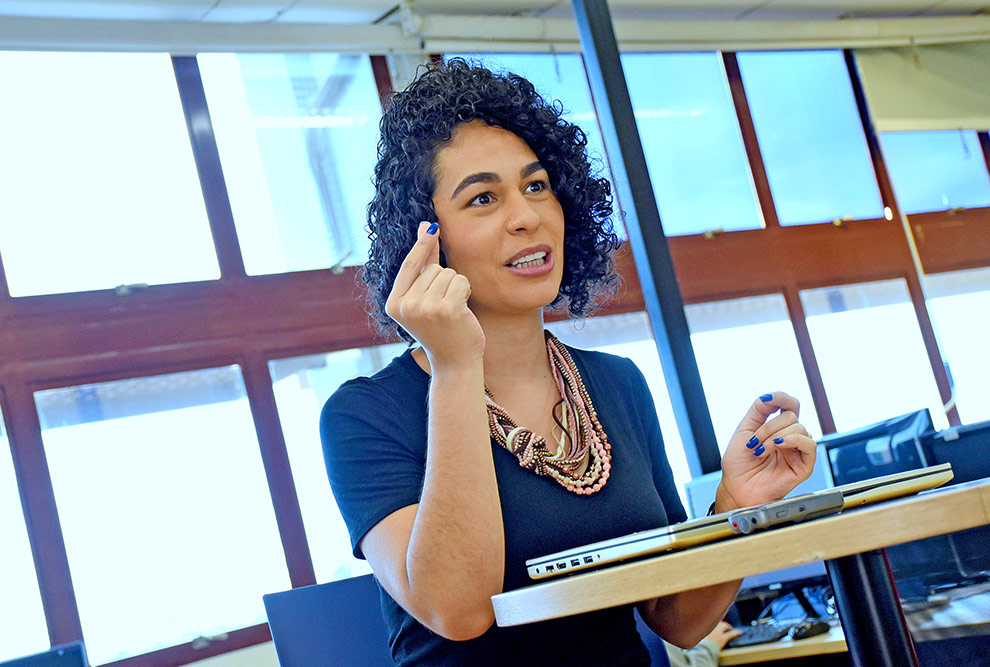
663 477
374 450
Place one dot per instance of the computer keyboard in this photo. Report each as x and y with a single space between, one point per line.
760 633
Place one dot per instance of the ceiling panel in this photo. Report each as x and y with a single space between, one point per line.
367 11
136 10
321 11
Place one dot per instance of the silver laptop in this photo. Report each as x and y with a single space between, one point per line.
720 526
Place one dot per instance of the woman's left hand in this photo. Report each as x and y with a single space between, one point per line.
766 459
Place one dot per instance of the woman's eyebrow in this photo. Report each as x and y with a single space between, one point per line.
480 177
530 168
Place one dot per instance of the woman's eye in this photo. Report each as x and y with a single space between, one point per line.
483 199
537 186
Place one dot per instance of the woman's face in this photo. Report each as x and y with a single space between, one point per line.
500 224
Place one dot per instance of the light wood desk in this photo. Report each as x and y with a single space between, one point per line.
850 533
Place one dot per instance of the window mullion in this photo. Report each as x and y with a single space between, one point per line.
285 500
985 145
41 515
752 145
913 277
795 310
207 156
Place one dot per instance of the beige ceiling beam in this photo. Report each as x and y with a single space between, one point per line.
502 34
450 34
188 37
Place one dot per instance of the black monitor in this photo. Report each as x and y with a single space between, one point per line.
902 443
66 655
967 448
890 446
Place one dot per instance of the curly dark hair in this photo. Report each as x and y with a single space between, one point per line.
421 119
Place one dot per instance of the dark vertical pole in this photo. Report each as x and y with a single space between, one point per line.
649 245
870 611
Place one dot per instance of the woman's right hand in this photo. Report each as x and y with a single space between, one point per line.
430 302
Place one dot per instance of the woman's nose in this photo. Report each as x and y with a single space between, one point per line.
521 214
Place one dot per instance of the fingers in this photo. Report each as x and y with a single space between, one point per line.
793 436
766 405
425 252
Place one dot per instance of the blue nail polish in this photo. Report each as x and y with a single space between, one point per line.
432 229
777 441
753 442
759 450
766 398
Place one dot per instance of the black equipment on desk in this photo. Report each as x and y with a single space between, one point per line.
907 442
802 609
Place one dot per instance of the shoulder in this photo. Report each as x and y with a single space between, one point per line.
387 392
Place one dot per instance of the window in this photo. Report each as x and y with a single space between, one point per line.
164 508
935 171
810 135
629 336
90 196
871 354
21 615
692 141
302 385
745 348
956 302
297 136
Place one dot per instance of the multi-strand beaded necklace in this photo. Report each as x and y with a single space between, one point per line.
584 466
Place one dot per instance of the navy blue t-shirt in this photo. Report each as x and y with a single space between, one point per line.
374 443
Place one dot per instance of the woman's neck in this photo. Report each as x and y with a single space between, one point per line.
515 349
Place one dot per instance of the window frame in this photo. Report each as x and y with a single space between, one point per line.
62 340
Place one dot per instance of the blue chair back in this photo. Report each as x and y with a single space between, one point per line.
338 624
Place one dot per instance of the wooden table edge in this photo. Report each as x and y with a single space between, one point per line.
854 531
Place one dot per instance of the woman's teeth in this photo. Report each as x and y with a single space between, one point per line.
536 259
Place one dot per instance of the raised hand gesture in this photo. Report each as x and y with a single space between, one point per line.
766 459
430 302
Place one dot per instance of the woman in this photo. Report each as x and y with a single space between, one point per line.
486 212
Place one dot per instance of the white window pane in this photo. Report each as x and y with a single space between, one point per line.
302 385
871 354
745 348
630 336
297 136
935 171
959 303
98 186
692 141
164 507
810 135
21 615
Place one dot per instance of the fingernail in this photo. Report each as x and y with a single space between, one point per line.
753 442
432 229
766 398
759 450
777 441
